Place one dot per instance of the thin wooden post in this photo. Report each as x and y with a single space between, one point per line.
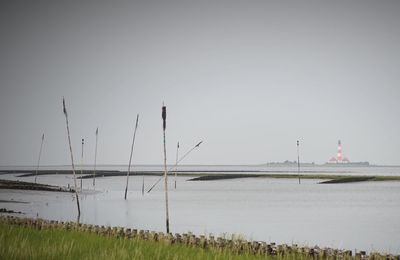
143 185
176 162
164 117
72 159
298 161
83 142
130 157
40 153
95 159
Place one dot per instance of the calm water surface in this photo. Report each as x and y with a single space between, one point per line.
363 216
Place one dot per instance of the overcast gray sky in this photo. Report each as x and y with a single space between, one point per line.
247 77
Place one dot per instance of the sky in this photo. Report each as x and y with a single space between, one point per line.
249 78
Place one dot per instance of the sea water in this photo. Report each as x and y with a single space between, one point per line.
362 216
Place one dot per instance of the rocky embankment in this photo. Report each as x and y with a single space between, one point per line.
239 246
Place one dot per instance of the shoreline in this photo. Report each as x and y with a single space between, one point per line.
22 185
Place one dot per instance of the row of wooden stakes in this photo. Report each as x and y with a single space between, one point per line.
239 246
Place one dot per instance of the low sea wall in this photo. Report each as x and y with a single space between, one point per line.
239 246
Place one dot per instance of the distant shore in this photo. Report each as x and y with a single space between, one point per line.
260 165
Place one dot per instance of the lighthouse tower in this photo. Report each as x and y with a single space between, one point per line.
339 159
339 152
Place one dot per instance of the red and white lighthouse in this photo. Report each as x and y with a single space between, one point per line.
339 152
339 159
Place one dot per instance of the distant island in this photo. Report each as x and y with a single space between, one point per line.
288 163
345 164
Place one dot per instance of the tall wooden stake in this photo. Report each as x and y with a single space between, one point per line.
130 158
176 162
298 161
164 117
40 153
95 159
83 142
72 159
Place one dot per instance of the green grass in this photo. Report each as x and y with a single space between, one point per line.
18 242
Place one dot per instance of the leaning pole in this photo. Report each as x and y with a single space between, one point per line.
72 159
40 153
130 157
170 169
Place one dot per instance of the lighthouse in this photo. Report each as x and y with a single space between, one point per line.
339 152
339 159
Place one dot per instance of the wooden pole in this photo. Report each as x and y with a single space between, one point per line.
83 141
176 162
95 159
130 158
40 153
164 117
143 185
298 161
181 159
72 159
